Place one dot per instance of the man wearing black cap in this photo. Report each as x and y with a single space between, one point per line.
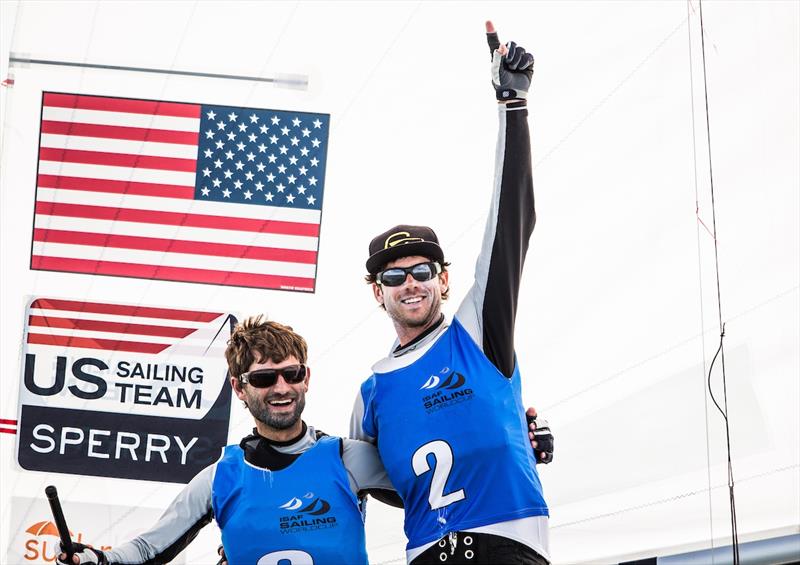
445 408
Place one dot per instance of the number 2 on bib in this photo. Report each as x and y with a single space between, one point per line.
441 472
290 557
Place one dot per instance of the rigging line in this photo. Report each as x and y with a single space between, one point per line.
268 58
585 118
612 92
375 68
669 499
280 80
700 221
49 62
689 11
710 369
666 351
482 217
721 351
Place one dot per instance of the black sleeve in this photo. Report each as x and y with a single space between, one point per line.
515 220
389 497
489 310
172 551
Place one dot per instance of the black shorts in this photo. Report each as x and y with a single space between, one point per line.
469 548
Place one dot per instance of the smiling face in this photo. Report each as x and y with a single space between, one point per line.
413 306
277 409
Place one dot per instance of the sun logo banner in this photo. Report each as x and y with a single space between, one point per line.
33 536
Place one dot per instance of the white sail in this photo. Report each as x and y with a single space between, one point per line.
617 322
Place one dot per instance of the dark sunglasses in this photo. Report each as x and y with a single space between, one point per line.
397 275
265 378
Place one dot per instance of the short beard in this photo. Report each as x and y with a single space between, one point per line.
433 315
261 412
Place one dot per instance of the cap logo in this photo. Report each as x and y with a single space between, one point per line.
400 238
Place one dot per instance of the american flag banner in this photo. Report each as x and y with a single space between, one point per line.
179 192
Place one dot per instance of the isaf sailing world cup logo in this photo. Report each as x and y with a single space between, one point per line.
306 513
448 388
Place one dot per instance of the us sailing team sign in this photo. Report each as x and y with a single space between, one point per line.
123 391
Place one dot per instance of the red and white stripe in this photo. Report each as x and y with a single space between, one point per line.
111 327
115 196
8 426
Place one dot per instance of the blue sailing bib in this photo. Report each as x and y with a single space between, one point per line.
452 434
305 513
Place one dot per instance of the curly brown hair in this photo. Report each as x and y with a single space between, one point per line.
256 340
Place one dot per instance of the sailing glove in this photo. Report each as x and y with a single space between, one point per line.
512 72
86 554
543 438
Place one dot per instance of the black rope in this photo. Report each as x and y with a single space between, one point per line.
721 349
724 412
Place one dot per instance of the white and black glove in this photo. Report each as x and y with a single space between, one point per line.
85 553
512 68
543 437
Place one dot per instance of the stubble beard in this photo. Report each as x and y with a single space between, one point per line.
262 412
399 318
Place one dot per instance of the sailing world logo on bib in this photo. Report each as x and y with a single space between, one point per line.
306 514
446 389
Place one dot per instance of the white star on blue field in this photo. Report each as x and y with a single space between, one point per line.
267 157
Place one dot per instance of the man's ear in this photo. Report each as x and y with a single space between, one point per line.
377 291
308 376
237 388
444 280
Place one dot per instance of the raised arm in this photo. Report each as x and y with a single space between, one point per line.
489 310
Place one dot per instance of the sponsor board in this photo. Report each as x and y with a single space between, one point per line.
122 391
34 537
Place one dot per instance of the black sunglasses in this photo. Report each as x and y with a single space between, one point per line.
397 275
265 378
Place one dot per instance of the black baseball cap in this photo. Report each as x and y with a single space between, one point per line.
403 241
